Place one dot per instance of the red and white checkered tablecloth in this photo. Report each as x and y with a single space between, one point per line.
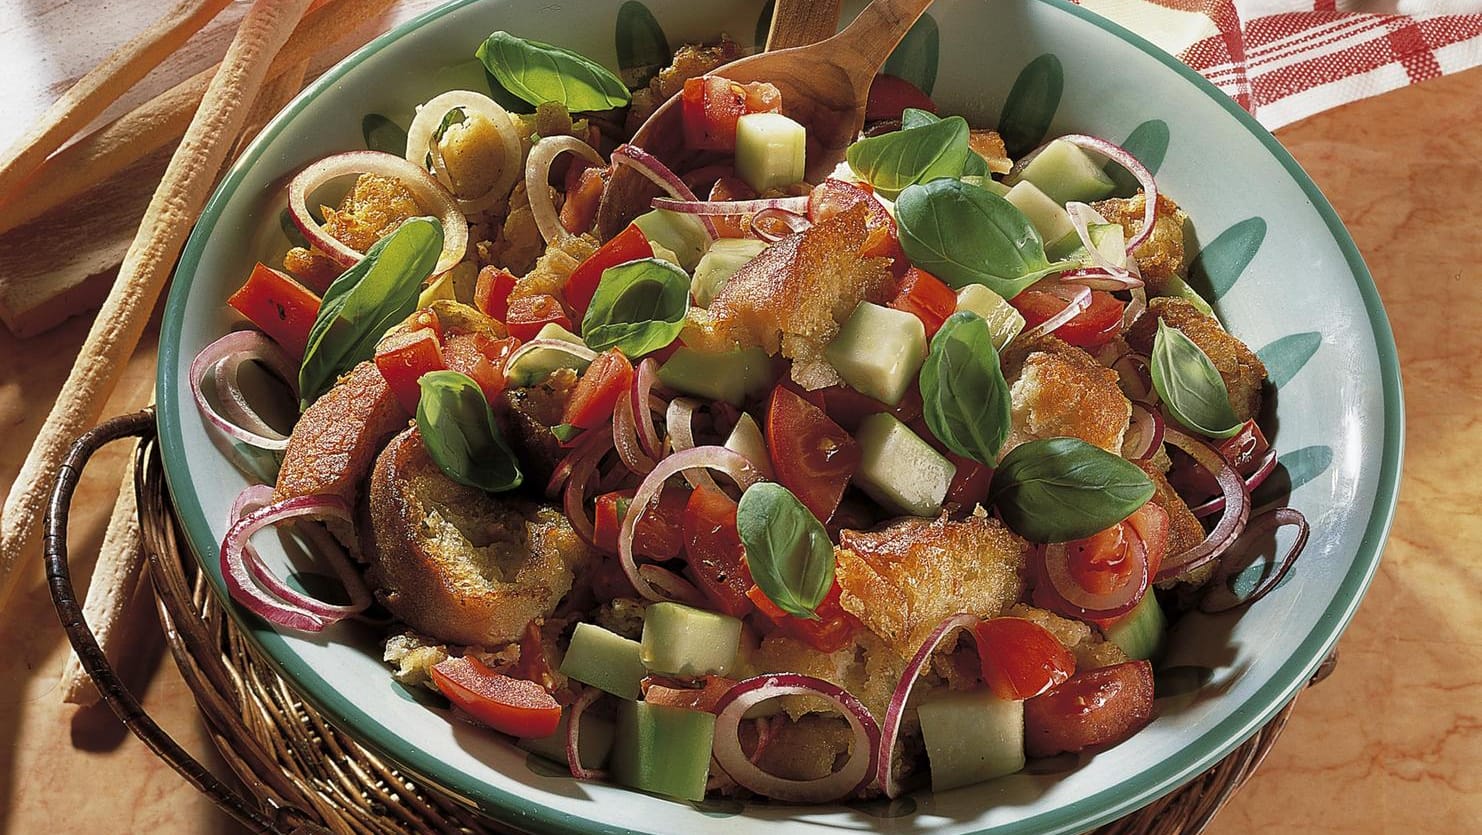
1286 59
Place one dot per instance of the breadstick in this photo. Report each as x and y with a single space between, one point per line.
145 268
102 86
277 93
76 169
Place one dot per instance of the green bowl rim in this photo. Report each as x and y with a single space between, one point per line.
510 808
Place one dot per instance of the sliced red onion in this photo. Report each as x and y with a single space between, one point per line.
1136 379
896 711
1135 308
585 445
537 179
792 220
856 771
582 353
226 355
625 438
659 174
766 731
1089 604
1081 217
643 413
717 458
679 420
420 143
1236 511
574 495
1077 298
724 208
260 495
246 575
573 736
1144 433
431 197
676 587
1257 477
1124 158
1269 521
1099 279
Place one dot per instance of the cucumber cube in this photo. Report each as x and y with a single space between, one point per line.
663 750
987 183
594 744
680 640
971 736
719 263
770 150
1110 240
878 351
604 660
1142 632
900 470
1004 322
732 376
1065 172
683 235
532 367
1048 217
746 439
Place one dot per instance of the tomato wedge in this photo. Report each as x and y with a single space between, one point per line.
402 360
811 455
514 706
482 358
658 690
829 633
491 292
1091 328
1106 563
584 185
713 547
712 104
627 245
529 314
659 534
1020 658
890 96
1094 709
924 296
596 395
847 407
279 306
970 481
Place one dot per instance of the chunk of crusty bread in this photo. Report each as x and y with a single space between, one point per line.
1059 390
1161 256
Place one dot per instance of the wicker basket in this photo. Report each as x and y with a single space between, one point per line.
302 774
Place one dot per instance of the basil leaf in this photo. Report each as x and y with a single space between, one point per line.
460 434
456 116
367 299
1059 489
973 166
964 394
915 117
965 235
638 308
538 72
892 161
1190 386
787 548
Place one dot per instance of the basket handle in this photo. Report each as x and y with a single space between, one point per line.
285 820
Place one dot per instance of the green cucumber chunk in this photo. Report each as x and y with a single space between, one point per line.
594 743
879 351
900 470
1004 322
680 640
719 263
1141 634
1110 240
663 750
532 367
732 376
1049 218
971 736
1065 172
987 183
770 150
681 234
604 660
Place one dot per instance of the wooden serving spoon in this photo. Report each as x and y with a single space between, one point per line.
824 87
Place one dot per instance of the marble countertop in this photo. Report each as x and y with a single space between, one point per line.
1391 742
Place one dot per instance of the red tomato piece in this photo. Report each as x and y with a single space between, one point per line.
584 185
491 292
811 455
1091 328
713 548
830 632
1245 449
534 664
627 245
848 407
1150 524
924 296
529 314
668 692
727 189
279 306
890 96
402 360
711 105
608 521
660 531
969 485
832 196
425 318
1094 709
597 392
1020 658
482 358
511 705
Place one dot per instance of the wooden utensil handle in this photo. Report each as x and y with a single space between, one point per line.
869 39
802 22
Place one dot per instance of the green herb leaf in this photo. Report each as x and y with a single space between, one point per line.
930 151
367 299
964 394
1059 489
460 434
538 72
964 234
787 548
915 117
456 116
1190 386
973 166
638 308
565 432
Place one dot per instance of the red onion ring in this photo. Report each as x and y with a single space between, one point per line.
1111 275
1135 308
717 458
676 587
643 413
225 356
242 569
1147 424
1099 279
792 220
659 174
625 438
584 445
895 712
573 737
1271 520
431 197
1257 477
1236 511
1088 604
429 118
855 773
724 208
679 420
260 495
1136 379
537 179
1078 300
1124 158
574 495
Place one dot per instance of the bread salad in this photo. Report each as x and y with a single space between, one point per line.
803 490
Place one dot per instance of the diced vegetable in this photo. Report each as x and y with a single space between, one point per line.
829 633
811 455
664 750
628 245
529 314
1020 658
279 306
1091 328
711 105
879 351
597 392
717 560
402 360
491 293
514 706
732 376
924 296
971 736
900 470
1141 633
681 234
970 479
604 660
719 263
746 438
594 743
1065 172
1093 709
1004 321
1110 240
770 150
659 534
680 640
1048 217
584 185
